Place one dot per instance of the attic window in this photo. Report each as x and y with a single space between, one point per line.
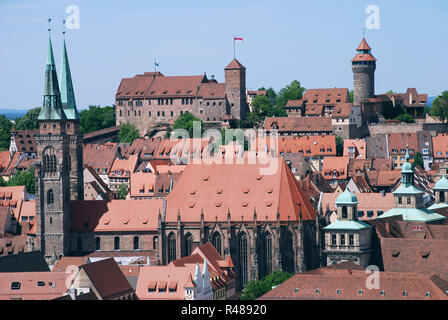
218 203
15 285
296 290
205 178
405 293
40 283
259 177
191 204
382 293
427 295
269 190
317 291
360 292
425 255
244 203
192 192
219 191
107 221
178 91
268 203
395 253
338 291
246 190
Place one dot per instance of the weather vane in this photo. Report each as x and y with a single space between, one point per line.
49 20
363 32
63 25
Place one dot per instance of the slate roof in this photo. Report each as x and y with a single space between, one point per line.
32 261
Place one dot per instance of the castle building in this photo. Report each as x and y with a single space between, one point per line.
363 66
347 238
59 165
151 98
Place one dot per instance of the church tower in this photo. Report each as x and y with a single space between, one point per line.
363 66
53 182
235 80
75 156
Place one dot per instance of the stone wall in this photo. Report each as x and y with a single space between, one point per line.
377 129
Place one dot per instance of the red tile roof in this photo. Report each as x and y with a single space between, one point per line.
214 189
440 145
360 146
212 91
235 64
100 156
364 57
115 215
363 45
24 140
310 146
123 167
299 124
335 164
331 284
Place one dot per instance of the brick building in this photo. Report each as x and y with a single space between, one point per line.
151 98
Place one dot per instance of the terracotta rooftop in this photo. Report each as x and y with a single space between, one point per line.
214 188
100 157
115 215
24 140
363 45
123 167
310 146
337 165
359 146
235 64
299 124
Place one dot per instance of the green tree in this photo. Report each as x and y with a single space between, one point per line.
96 118
272 95
390 92
405 117
122 191
256 288
5 133
24 178
339 145
439 107
2 182
292 91
352 96
418 160
185 121
128 133
29 120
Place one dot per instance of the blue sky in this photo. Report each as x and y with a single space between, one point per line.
310 41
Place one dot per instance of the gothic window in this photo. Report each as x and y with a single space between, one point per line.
79 244
136 243
50 197
268 252
188 244
53 163
287 252
216 241
117 243
243 272
171 247
344 212
155 243
49 161
98 243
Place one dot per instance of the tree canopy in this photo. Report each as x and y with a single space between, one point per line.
5 132
292 91
96 118
23 178
29 120
439 107
418 160
122 191
256 288
128 133
185 121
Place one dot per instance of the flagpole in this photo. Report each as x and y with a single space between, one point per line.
233 47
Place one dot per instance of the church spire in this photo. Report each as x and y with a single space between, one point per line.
51 106
67 93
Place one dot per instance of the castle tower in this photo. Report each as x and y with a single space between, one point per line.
75 156
363 66
52 183
348 239
235 80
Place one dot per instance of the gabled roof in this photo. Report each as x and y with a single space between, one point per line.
107 278
298 124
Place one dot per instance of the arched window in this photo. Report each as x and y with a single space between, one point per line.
155 243
171 247
268 253
287 252
53 163
98 243
79 244
442 196
69 162
242 255
400 200
136 243
216 242
188 244
49 160
50 197
46 164
344 212
117 243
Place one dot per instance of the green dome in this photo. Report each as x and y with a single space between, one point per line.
407 168
346 197
442 184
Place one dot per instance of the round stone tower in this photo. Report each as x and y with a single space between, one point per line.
363 66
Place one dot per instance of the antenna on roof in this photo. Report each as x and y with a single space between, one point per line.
63 28
49 29
363 32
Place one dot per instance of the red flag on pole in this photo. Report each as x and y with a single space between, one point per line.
238 39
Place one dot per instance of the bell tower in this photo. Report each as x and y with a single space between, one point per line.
75 156
52 181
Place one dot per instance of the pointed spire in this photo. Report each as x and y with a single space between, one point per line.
190 283
67 92
52 105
